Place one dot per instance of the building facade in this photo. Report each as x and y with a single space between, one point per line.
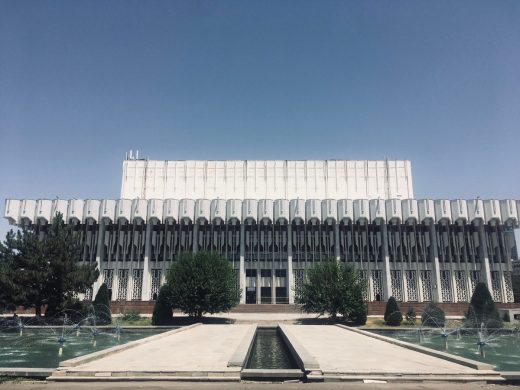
274 219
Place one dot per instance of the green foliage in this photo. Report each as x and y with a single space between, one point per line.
101 306
433 316
42 269
202 282
333 288
411 316
162 310
130 315
482 310
393 316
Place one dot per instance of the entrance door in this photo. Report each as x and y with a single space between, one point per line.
251 295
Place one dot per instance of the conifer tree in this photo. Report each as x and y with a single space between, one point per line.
162 310
101 305
393 315
43 269
482 310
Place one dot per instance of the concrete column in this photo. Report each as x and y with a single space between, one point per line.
196 237
258 286
483 255
242 269
387 280
146 293
273 287
434 256
99 258
290 276
336 241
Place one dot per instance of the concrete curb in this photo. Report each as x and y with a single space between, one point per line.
26 372
239 357
428 351
271 373
304 359
118 348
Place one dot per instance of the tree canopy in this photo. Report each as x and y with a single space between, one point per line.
42 269
333 288
202 282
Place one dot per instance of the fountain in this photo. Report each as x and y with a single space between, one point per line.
498 346
44 342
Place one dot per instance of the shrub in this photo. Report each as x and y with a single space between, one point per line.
433 316
393 316
162 310
130 315
411 316
101 306
202 282
482 310
333 288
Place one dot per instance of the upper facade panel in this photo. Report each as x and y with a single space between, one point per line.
267 179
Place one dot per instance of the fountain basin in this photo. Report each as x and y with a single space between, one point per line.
270 358
38 347
502 347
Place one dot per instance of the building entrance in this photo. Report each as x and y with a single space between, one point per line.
251 295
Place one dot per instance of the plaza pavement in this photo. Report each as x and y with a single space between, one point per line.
346 355
326 352
249 386
202 351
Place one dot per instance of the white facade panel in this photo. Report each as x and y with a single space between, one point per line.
218 210
155 209
108 209
426 209
60 206
12 210
475 210
264 179
509 212
459 210
345 210
492 210
281 209
377 209
44 210
410 209
75 211
92 209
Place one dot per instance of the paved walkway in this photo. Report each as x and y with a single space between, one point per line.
342 352
204 350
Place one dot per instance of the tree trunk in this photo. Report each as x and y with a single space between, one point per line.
38 310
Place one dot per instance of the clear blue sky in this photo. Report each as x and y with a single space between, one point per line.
81 82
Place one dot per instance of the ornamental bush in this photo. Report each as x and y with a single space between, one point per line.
411 316
482 310
202 282
101 306
162 310
433 316
333 288
393 316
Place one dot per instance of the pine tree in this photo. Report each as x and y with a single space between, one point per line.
482 309
393 316
162 310
43 269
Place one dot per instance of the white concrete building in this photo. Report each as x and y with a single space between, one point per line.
274 219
